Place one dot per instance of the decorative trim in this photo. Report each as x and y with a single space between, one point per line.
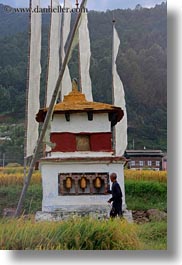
108 160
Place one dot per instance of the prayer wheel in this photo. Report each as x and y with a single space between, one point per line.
83 183
98 183
68 183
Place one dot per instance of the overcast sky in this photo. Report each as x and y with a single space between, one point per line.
92 4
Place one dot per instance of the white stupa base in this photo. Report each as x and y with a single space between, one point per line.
94 211
68 211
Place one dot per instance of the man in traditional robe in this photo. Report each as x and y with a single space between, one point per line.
116 198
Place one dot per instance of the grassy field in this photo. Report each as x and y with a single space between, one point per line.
74 234
143 192
144 189
144 195
81 234
146 175
140 195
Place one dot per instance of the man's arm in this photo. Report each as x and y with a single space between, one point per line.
116 192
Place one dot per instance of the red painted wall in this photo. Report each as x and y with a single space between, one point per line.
66 142
101 142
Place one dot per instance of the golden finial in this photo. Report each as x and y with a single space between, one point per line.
74 85
77 4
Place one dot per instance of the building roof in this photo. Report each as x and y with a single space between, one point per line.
75 101
144 152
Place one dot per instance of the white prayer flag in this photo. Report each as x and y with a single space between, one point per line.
85 55
53 63
54 52
82 38
121 140
34 80
66 85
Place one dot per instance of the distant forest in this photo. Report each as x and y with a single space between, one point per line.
142 66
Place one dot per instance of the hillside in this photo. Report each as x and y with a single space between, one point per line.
142 65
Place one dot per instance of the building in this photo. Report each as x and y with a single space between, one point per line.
164 162
75 173
145 159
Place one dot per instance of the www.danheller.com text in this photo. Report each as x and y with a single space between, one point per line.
49 9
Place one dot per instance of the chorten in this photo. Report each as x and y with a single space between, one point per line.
75 172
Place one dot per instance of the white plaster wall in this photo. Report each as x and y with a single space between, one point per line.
79 154
51 199
79 123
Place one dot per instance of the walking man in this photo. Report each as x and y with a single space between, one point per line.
116 199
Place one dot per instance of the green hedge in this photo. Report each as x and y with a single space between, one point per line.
144 195
9 197
139 195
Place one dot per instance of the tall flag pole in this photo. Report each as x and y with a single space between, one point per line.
120 131
49 114
26 97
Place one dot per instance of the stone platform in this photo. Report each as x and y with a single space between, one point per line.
95 211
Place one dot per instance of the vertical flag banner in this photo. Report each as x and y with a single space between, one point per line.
34 80
121 140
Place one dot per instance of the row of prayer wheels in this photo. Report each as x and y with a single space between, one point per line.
83 183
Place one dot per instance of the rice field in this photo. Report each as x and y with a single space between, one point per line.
74 234
144 189
146 175
15 176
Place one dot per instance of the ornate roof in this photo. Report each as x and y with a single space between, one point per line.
76 102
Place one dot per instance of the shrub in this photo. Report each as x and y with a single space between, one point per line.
13 165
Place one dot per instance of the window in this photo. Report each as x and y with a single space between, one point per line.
133 163
82 143
149 163
141 163
157 163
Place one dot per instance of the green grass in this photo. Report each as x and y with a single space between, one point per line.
9 196
153 235
144 195
85 233
74 234
140 195
82 234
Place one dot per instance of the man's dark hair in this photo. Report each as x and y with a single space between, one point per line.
114 175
